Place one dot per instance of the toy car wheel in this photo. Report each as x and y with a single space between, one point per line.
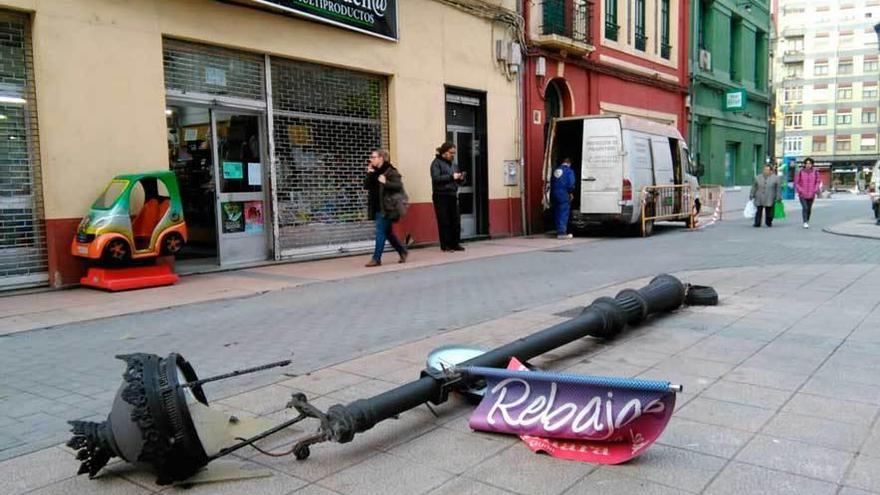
172 243
117 252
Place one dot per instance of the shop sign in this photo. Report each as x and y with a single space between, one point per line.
373 17
735 100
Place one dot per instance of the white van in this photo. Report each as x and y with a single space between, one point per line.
613 158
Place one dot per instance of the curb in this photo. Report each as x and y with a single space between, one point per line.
830 230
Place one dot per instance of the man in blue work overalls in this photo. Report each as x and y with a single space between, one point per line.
561 190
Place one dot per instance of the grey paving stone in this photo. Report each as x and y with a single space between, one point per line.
611 482
467 486
817 431
314 490
670 466
694 366
865 473
854 491
708 439
36 470
738 478
693 384
750 395
834 409
519 470
840 389
871 446
796 458
723 349
729 414
381 471
451 450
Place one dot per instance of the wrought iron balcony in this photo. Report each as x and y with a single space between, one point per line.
641 39
565 25
665 51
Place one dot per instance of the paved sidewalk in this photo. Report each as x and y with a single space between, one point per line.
780 397
865 228
53 308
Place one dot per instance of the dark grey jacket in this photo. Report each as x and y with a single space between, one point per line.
441 177
766 191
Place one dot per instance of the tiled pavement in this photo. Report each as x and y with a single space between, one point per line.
780 397
866 228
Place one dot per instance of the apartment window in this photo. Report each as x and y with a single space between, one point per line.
871 65
820 119
869 115
869 142
794 70
846 37
705 23
819 143
843 144
794 9
761 59
869 93
845 67
665 48
794 144
611 26
794 120
795 44
844 93
735 43
820 69
792 95
844 118
641 37
820 92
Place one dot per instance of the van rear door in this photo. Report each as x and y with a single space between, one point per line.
601 166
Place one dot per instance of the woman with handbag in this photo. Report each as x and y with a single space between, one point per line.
387 203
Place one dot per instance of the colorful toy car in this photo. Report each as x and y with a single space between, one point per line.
111 234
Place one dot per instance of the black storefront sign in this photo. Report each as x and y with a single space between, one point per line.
373 17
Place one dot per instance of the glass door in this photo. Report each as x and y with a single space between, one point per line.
466 155
242 212
730 165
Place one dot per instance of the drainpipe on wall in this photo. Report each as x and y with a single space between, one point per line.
522 110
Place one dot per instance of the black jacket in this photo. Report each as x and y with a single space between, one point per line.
441 176
385 197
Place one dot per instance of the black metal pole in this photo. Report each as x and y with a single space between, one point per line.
606 317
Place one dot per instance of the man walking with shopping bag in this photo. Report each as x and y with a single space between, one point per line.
766 191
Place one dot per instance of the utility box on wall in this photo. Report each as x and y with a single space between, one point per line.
511 172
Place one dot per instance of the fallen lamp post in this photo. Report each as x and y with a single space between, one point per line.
151 421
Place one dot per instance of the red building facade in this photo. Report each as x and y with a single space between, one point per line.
600 57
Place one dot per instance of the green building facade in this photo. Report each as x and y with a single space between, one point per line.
730 94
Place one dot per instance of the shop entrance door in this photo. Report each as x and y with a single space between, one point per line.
730 165
239 155
465 128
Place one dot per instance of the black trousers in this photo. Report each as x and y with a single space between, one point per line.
448 220
806 209
768 215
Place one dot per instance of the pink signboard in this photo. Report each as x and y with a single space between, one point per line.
604 420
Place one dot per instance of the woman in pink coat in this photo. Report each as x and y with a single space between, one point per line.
806 183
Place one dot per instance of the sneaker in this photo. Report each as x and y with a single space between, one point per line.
806 225
565 236
373 263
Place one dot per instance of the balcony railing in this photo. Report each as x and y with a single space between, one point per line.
641 39
567 19
665 51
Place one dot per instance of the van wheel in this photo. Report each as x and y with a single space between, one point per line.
116 252
172 244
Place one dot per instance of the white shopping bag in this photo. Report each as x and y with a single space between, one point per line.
750 209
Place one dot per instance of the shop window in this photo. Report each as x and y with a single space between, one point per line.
820 120
844 118
196 68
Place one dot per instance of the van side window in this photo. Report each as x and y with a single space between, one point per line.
686 159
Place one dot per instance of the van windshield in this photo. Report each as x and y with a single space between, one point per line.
110 195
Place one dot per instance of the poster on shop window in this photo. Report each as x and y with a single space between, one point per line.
232 217
253 216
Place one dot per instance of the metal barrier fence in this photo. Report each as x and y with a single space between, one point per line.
677 203
711 204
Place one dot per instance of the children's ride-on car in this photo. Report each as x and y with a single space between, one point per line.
111 234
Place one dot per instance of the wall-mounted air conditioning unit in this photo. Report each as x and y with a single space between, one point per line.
705 60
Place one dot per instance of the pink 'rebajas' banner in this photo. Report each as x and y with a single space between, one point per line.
605 420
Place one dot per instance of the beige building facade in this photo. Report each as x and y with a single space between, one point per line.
264 114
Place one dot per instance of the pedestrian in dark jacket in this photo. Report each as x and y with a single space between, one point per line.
386 195
806 183
445 178
766 191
